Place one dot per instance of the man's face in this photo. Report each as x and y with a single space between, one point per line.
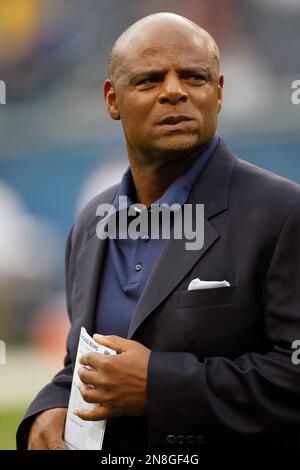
167 93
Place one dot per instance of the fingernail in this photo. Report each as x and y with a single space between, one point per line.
75 412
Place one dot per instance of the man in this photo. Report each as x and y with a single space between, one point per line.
204 367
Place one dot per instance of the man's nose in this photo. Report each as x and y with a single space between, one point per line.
172 91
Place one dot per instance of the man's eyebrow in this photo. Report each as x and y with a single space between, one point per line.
136 75
194 71
195 68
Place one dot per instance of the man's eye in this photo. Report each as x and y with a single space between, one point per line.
196 77
147 81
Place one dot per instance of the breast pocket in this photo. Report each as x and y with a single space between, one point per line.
208 297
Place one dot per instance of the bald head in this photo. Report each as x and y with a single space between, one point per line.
154 28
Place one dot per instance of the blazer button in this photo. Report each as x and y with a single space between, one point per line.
171 439
200 439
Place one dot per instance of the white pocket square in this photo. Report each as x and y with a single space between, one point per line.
197 284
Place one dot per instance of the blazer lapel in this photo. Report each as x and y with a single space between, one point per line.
87 281
212 190
168 272
88 268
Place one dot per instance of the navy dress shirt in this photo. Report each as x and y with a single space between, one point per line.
128 263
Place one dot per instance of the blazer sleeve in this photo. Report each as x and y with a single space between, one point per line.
56 393
253 396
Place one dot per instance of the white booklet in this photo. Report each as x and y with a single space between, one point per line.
80 434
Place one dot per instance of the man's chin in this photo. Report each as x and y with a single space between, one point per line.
178 144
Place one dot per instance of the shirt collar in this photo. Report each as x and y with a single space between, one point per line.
178 191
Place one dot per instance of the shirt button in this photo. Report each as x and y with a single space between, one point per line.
138 267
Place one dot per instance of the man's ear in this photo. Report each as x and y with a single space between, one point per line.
111 100
220 92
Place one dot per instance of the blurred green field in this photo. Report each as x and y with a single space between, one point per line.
9 421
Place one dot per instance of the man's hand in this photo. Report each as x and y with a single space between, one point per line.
118 383
47 430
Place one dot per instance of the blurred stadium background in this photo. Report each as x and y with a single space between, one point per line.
58 147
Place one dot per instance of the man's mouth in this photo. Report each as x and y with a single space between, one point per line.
171 120
174 123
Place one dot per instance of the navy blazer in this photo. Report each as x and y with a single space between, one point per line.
220 371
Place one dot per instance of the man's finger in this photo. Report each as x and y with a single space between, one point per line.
98 413
90 395
88 377
117 343
92 360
